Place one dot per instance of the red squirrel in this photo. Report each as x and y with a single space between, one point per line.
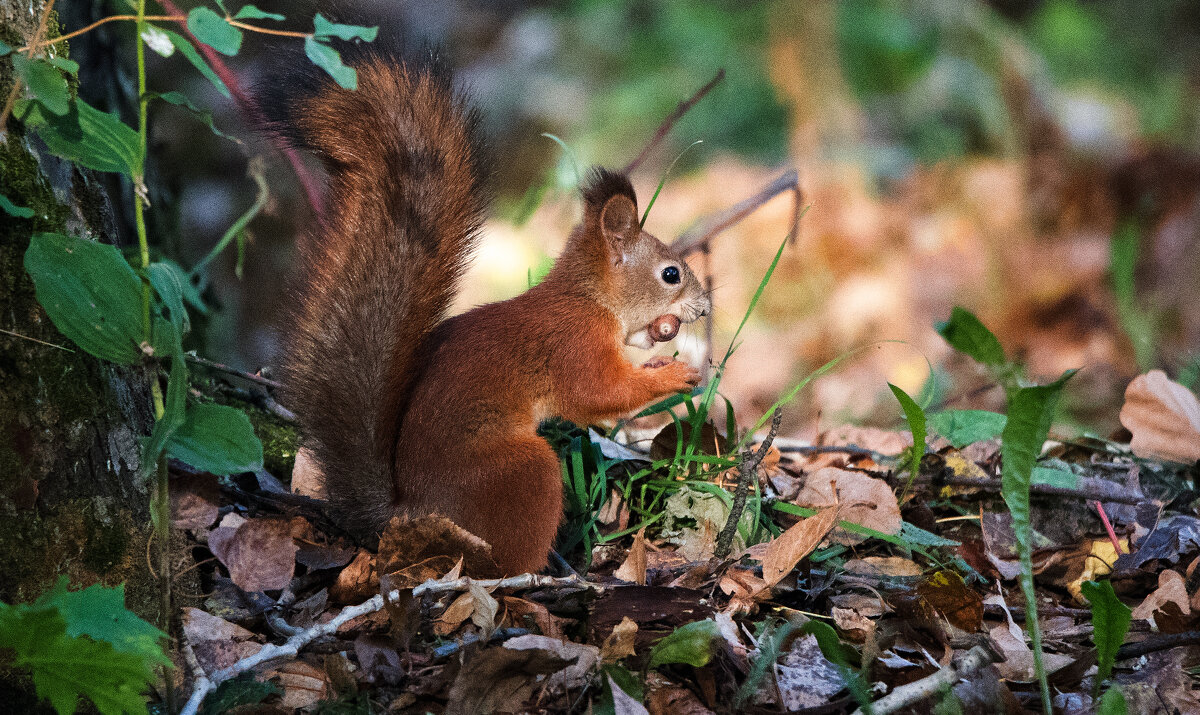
406 412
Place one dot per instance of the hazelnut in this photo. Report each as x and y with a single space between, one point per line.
663 328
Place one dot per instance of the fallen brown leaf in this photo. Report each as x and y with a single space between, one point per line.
194 500
621 642
860 499
1163 417
260 554
785 551
634 568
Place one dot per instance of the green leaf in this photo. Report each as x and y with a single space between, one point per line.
71 67
1113 702
13 210
168 282
692 644
90 292
188 50
204 116
833 650
325 28
968 335
1030 412
916 424
86 136
1110 623
46 83
217 439
174 408
211 29
249 12
242 690
963 427
99 613
1054 477
329 60
83 643
5 48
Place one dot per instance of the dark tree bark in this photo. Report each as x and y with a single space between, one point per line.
71 498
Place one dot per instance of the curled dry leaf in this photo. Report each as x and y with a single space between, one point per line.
860 500
620 643
582 659
194 500
634 568
260 554
1171 589
521 613
412 541
357 582
500 679
785 551
1163 417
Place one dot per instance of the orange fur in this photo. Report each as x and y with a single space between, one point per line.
407 413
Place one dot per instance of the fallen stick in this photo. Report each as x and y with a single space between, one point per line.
205 684
918 690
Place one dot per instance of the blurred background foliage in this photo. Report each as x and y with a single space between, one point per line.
1033 160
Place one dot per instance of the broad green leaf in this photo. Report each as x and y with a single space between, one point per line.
168 282
46 83
968 335
1054 477
5 48
211 29
916 424
86 136
1030 412
250 12
329 60
13 210
99 612
1110 623
174 408
692 644
1113 702
622 679
71 67
963 427
64 668
188 50
325 28
216 439
90 292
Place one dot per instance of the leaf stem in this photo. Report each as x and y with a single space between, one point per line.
142 19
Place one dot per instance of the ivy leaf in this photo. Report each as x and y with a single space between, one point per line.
216 439
1110 623
86 136
691 644
13 210
968 335
46 83
186 49
325 28
249 12
90 292
211 29
963 427
328 59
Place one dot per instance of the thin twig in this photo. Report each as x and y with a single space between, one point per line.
206 684
1155 643
101 21
266 30
35 340
691 240
257 379
746 473
994 485
918 690
665 127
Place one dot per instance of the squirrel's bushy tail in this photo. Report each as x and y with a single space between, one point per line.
380 269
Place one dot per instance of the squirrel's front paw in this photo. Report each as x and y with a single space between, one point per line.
674 376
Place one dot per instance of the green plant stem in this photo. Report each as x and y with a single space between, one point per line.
238 226
162 502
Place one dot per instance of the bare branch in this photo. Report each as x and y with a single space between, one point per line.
747 472
918 690
692 240
665 127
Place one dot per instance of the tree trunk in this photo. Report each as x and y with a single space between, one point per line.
71 499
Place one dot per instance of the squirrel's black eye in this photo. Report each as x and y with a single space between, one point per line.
670 274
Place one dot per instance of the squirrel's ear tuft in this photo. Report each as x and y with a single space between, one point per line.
611 208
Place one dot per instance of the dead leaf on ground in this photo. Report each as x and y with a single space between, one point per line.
883 567
583 659
634 568
194 499
216 642
303 685
623 703
357 582
805 678
674 700
785 551
522 613
621 642
888 442
260 554
860 499
500 679
950 596
1171 589
378 660
405 542
1163 417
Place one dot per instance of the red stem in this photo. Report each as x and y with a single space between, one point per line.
249 110
1112 535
